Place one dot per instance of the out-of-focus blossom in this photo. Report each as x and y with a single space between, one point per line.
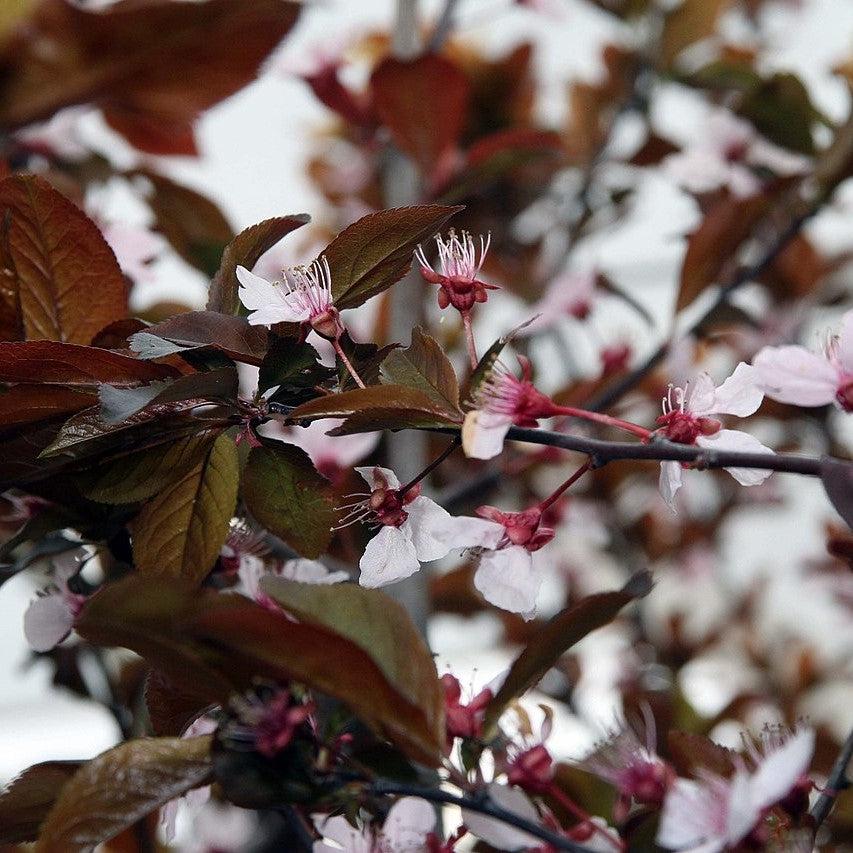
50 617
59 137
407 829
794 374
686 419
637 772
459 266
203 725
331 454
569 295
506 573
303 296
727 155
135 248
556 9
715 813
501 401
497 833
253 569
414 529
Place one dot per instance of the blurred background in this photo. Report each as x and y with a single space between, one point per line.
750 621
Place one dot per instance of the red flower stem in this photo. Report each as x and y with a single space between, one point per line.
544 504
347 364
571 806
607 420
469 340
432 466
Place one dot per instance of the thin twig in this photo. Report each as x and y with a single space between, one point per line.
484 805
443 26
835 784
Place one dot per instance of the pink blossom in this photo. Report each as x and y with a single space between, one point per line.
636 770
304 296
459 267
331 454
135 247
501 401
414 529
569 295
506 573
50 617
794 374
714 813
686 419
407 829
463 720
726 156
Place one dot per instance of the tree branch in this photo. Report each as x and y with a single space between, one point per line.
482 805
835 784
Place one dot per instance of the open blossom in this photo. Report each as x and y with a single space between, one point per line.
459 267
332 455
634 769
50 618
407 829
501 401
727 155
715 813
794 374
414 529
687 419
135 248
506 573
304 296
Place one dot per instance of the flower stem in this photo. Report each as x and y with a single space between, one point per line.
571 806
346 362
469 340
432 466
544 504
607 420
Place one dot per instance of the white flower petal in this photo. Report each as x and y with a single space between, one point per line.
740 442
432 529
270 303
701 395
741 814
310 571
389 557
471 532
373 475
780 769
343 836
483 434
66 565
740 394
688 819
47 622
409 822
499 834
508 579
795 375
670 482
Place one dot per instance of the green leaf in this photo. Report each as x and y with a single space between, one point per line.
559 635
283 491
121 786
294 366
377 624
245 250
376 251
142 474
27 799
67 280
200 329
179 533
119 404
425 367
